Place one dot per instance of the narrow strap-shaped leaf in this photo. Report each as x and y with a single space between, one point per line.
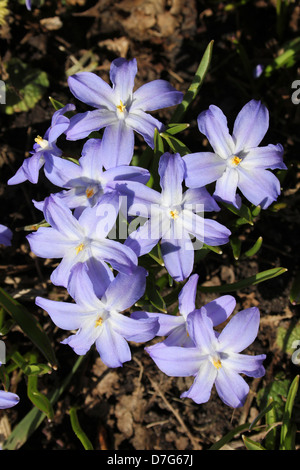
158 151
175 128
195 86
250 281
39 399
244 213
287 415
252 445
29 325
56 104
175 144
79 431
271 418
235 244
229 436
254 249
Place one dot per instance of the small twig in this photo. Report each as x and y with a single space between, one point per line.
248 402
193 440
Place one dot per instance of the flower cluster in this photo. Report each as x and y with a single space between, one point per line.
102 274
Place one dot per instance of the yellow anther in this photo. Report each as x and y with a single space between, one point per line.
79 248
217 363
236 160
174 214
43 143
89 192
98 322
121 107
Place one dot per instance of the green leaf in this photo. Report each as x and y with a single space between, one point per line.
254 249
229 436
39 399
274 391
56 104
154 296
270 439
215 249
158 151
286 59
175 144
25 86
155 254
195 86
264 412
79 431
256 211
235 244
250 281
29 325
285 435
252 445
288 338
244 213
37 369
32 420
175 128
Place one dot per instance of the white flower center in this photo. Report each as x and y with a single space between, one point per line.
174 214
234 161
43 143
121 110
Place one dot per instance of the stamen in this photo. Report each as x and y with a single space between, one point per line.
217 363
174 214
89 192
236 160
121 107
79 248
98 322
43 143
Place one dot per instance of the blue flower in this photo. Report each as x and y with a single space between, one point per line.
44 149
119 110
81 240
174 327
5 235
237 161
98 318
87 182
215 358
172 217
8 399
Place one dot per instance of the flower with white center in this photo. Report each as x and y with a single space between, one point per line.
120 110
44 149
98 318
215 358
86 182
237 161
81 240
5 235
172 217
